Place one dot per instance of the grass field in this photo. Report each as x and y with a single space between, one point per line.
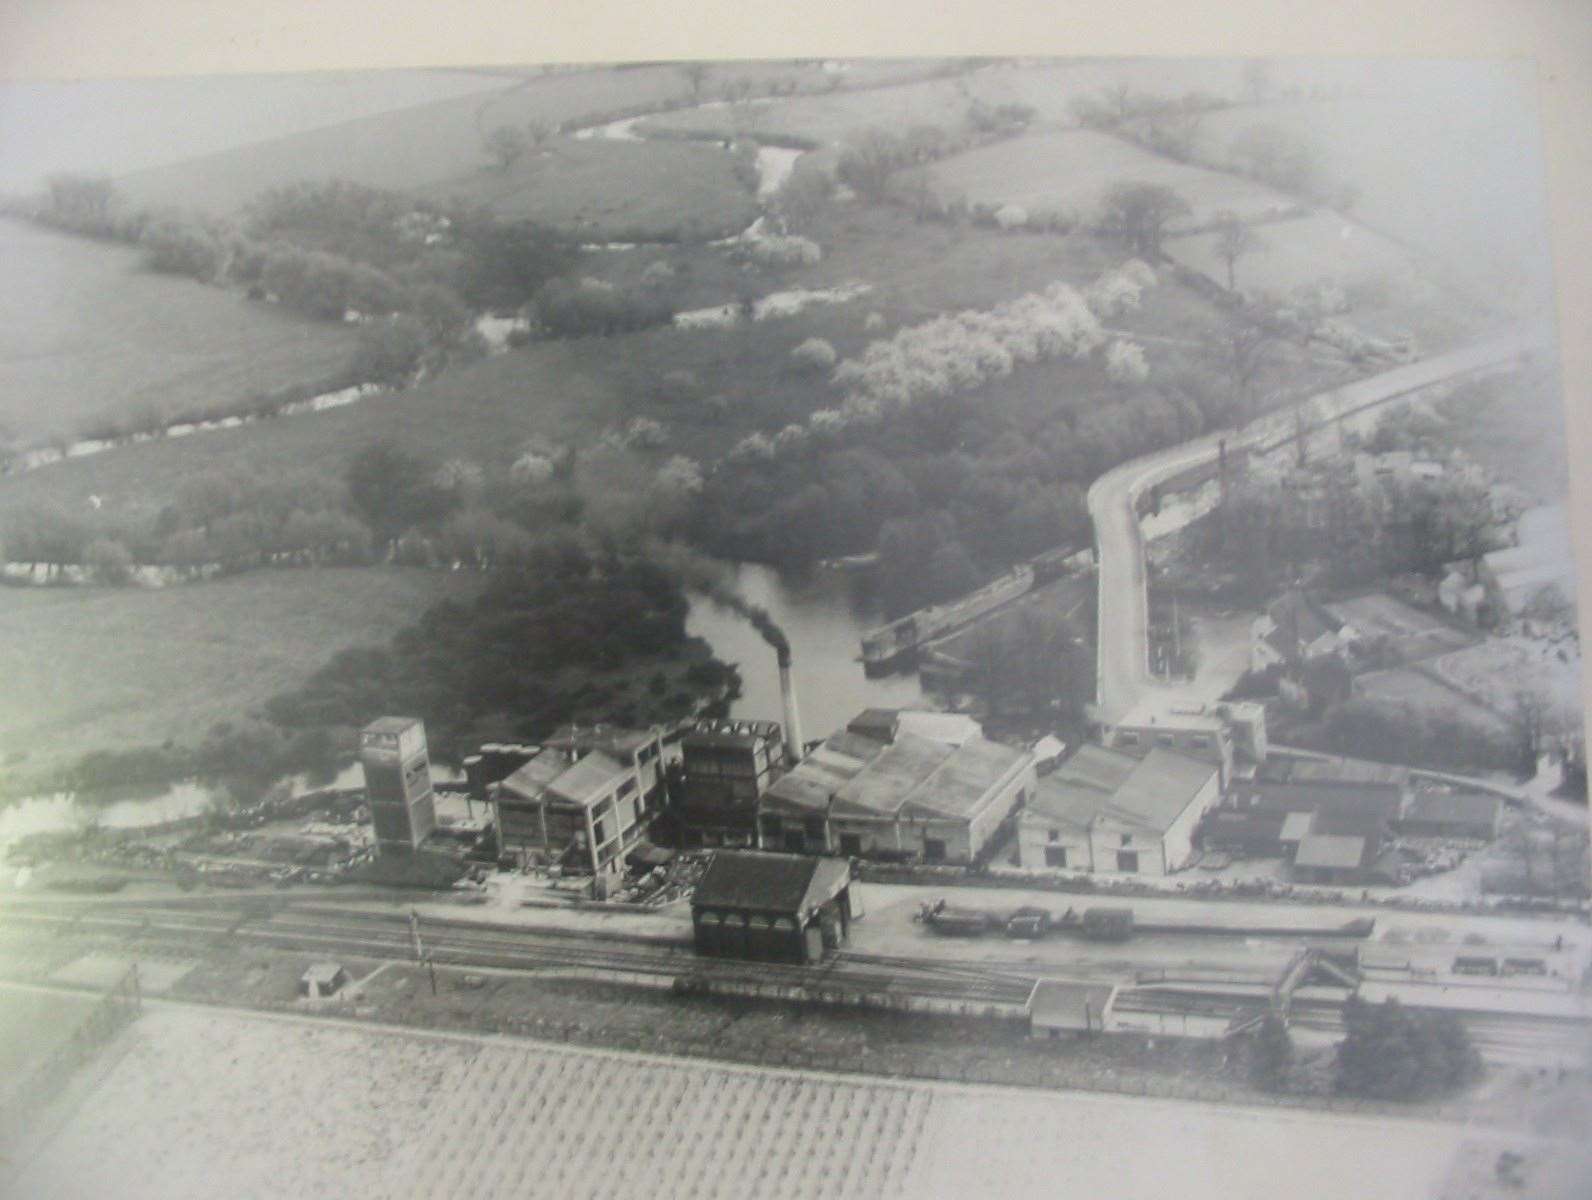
429 144
33 1025
603 190
1392 292
1074 168
108 669
425 1116
1445 157
1404 688
571 391
92 334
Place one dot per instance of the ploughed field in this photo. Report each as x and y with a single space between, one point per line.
88 333
291 1108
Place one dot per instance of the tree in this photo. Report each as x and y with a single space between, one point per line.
109 561
1138 214
1234 240
1271 1054
696 74
869 161
1391 1053
179 246
506 145
1247 348
1275 155
86 203
390 351
804 195
391 490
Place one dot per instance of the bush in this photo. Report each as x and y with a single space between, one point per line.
109 560
1391 1053
784 251
587 307
815 354
177 246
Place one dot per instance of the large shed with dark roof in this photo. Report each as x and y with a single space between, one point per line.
771 907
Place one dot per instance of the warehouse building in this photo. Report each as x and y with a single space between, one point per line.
898 785
1231 735
772 907
1460 815
1103 810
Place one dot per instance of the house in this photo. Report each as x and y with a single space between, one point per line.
1103 810
771 907
898 787
1295 630
1434 814
1059 1007
726 768
579 811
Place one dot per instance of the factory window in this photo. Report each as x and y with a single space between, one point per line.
1128 739
1127 839
1127 860
1055 856
814 827
772 826
648 753
851 845
628 786
933 850
1053 835
1166 739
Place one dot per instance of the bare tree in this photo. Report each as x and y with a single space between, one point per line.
1234 240
696 74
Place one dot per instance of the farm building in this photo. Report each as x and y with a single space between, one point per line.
771 907
580 811
1062 1008
1293 630
890 784
1452 815
727 766
1103 810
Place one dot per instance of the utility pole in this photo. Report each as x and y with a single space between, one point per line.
420 954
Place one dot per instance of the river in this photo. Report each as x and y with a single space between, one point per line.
818 616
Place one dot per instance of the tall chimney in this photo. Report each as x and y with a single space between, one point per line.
793 722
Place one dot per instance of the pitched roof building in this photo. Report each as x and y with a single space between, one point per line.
1106 810
881 787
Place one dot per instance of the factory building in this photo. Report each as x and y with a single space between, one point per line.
772 907
1104 810
1231 735
578 809
898 785
726 767
397 766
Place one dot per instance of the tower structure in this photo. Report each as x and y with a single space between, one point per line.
397 767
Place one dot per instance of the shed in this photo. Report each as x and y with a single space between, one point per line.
322 979
773 907
1058 1007
1452 815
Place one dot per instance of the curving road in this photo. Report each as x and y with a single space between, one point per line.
1123 680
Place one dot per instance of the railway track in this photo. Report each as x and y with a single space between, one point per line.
379 935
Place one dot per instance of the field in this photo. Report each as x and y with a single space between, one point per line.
121 125
429 144
33 1025
1411 634
572 390
94 335
1392 293
1500 668
426 1115
1073 169
1443 159
137 667
609 190
1404 688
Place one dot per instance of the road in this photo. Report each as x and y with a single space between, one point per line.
1123 679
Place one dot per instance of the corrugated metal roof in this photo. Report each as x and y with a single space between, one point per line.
588 779
1078 789
1159 789
1466 807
